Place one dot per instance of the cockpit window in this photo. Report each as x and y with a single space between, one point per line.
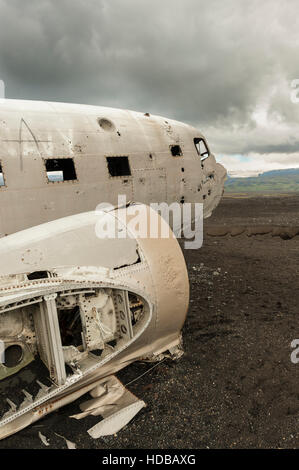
201 148
2 182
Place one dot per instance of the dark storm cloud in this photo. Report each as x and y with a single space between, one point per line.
217 64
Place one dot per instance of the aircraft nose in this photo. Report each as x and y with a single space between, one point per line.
222 172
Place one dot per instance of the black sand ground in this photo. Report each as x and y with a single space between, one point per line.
236 386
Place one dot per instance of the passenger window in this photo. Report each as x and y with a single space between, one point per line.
201 148
2 182
176 151
61 169
119 166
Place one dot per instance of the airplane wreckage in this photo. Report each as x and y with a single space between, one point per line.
76 308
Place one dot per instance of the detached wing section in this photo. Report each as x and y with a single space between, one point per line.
78 302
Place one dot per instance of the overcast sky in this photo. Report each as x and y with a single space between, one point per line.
224 66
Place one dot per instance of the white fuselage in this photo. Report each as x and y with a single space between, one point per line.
84 138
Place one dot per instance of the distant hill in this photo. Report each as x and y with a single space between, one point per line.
271 181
